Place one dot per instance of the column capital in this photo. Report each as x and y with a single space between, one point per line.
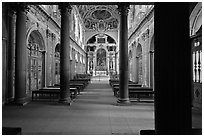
65 8
151 51
20 6
123 8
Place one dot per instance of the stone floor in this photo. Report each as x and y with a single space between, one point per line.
94 112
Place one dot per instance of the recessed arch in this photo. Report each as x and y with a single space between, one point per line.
130 54
36 61
139 64
36 31
57 47
36 37
92 38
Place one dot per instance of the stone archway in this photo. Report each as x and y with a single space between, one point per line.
36 62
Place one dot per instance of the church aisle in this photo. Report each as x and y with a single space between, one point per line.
94 112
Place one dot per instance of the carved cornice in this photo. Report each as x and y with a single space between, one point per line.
42 16
123 8
65 8
20 6
146 18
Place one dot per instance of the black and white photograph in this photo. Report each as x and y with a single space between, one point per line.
101 68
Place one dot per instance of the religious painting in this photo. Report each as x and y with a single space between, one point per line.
101 59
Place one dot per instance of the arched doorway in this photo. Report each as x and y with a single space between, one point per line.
101 65
152 62
139 64
36 62
57 64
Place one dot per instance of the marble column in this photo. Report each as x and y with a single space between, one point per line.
20 51
64 54
123 80
173 73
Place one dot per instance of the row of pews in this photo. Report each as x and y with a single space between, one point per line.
136 91
52 93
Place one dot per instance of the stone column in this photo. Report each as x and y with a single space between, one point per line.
115 64
151 69
94 64
11 57
173 74
87 63
43 68
108 64
64 54
124 94
20 62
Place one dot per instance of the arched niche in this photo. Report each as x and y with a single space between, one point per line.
36 61
101 38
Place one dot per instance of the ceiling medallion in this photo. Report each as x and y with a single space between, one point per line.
101 14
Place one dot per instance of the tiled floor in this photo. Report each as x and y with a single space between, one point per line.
94 112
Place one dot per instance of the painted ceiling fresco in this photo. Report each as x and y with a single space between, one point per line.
99 17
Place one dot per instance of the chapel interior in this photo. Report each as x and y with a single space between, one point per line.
101 68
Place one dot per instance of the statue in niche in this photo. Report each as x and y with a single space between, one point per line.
91 65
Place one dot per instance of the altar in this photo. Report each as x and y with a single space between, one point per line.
101 73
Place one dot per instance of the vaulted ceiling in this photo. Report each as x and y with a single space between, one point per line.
99 17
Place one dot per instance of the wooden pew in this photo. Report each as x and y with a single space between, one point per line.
80 81
79 87
129 85
136 91
111 82
82 76
52 93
